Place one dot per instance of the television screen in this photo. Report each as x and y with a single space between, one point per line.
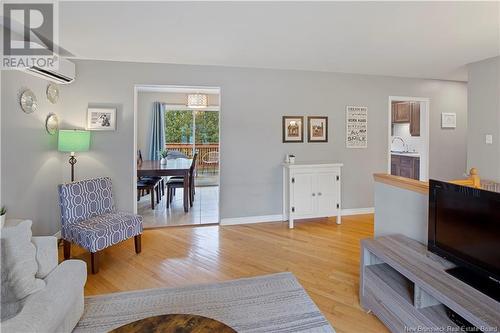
464 226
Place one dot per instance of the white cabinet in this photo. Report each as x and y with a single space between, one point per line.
311 190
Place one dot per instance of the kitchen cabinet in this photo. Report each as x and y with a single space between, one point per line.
407 112
401 112
415 119
405 166
311 191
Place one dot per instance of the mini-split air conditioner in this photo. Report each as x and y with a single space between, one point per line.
63 75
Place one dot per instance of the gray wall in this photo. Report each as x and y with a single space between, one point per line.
31 166
400 211
252 104
484 117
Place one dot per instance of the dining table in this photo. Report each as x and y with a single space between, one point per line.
173 167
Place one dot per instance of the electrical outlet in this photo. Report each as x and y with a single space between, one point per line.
489 139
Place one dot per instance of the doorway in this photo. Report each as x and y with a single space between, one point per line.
188 131
408 137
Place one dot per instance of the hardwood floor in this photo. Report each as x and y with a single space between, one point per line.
322 255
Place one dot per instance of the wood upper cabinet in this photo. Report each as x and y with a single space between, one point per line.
401 112
407 112
415 119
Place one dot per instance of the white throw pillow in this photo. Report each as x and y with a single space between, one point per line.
18 266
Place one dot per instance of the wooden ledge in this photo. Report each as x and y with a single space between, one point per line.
402 182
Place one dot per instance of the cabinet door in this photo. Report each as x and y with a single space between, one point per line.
302 194
415 119
327 193
406 171
402 114
395 165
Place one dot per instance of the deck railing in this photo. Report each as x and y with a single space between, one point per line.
202 149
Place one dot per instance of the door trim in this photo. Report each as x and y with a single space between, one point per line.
424 132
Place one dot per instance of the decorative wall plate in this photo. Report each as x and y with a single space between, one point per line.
53 93
28 101
52 123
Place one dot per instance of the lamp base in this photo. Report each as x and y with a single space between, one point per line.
72 161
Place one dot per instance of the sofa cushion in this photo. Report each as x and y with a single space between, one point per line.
18 267
102 231
46 254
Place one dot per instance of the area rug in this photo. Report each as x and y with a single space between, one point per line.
269 303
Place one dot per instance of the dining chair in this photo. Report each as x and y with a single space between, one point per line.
153 186
89 218
172 154
178 182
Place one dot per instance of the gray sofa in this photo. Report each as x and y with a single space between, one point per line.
58 306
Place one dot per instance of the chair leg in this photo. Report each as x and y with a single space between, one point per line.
137 243
94 262
168 197
190 196
152 199
172 193
66 249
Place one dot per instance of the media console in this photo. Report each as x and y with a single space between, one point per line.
409 290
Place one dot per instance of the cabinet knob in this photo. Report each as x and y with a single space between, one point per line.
314 194
319 193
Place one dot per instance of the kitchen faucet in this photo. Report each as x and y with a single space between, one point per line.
405 146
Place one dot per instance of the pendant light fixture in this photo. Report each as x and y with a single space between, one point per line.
197 101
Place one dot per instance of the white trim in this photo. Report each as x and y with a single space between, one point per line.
424 131
279 217
178 89
358 211
57 234
252 219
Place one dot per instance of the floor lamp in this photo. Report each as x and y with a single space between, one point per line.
73 141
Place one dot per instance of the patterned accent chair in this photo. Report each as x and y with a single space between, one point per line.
89 218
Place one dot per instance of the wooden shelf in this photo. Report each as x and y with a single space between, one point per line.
406 286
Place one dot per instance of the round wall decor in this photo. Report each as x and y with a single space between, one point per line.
28 101
53 93
52 123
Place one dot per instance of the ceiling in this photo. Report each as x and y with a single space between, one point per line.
407 39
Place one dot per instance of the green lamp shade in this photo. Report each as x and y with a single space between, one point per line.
73 140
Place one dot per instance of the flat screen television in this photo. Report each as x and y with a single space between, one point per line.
464 227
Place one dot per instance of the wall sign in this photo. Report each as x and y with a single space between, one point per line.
356 127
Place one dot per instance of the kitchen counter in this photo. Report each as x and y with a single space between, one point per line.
409 154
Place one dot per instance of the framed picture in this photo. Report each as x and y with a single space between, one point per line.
317 129
293 129
448 120
101 119
356 127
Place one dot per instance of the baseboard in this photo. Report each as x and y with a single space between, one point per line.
251 219
358 211
279 217
57 234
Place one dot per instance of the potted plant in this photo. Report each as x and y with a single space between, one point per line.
163 156
3 211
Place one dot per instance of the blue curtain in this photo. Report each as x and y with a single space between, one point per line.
157 139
